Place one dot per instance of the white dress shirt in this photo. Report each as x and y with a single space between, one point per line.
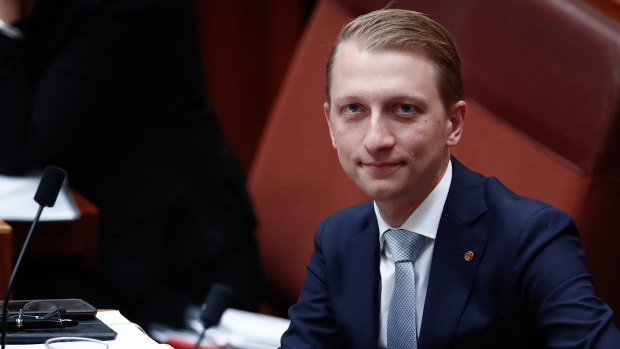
424 221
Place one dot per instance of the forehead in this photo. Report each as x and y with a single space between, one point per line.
357 69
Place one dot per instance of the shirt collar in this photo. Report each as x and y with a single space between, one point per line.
425 219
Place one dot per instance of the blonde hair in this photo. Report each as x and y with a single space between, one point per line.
404 29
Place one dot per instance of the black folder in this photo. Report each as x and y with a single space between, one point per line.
88 325
90 328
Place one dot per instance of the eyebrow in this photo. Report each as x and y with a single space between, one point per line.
415 98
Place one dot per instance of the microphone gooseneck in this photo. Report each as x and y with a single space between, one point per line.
46 195
218 300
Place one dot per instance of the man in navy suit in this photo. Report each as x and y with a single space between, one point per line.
494 270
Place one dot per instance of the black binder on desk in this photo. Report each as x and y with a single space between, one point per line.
88 324
90 328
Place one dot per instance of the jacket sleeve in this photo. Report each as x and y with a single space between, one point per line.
553 282
312 322
75 67
14 101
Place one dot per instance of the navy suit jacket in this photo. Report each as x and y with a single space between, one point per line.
526 287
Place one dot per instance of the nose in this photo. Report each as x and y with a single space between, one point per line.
379 135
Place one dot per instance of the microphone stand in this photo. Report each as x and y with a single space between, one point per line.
202 335
219 298
5 304
46 194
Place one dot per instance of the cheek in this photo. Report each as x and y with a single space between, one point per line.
412 138
348 150
344 139
419 144
347 161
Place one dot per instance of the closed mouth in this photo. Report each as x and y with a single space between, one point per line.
381 166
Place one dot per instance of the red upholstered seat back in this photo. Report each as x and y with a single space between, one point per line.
296 179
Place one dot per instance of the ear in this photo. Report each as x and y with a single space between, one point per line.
456 121
329 124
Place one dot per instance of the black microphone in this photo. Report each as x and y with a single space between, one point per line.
46 195
218 300
49 186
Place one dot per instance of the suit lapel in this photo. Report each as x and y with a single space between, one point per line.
363 285
452 275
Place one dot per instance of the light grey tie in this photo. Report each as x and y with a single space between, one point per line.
401 325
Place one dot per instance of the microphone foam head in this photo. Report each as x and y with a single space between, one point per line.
49 186
219 298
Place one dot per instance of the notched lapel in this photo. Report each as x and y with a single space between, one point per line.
450 282
453 268
362 282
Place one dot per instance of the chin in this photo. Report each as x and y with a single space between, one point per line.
380 194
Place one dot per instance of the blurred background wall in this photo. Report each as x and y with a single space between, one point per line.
246 48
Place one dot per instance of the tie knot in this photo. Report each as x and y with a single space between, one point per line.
403 244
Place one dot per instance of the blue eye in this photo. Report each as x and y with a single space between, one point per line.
406 108
352 108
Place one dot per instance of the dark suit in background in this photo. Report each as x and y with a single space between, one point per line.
527 283
113 92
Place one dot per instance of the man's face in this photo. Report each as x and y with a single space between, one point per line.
388 124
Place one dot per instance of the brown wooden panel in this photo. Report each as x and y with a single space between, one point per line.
79 237
6 254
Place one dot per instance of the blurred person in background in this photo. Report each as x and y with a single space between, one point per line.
113 92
